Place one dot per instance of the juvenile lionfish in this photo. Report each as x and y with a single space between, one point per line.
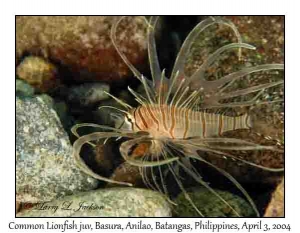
180 117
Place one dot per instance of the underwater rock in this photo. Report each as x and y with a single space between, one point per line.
112 202
83 44
45 168
46 99
23 88
88 93
60 108
39 73
210 205
276 206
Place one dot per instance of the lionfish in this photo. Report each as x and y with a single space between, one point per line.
181 116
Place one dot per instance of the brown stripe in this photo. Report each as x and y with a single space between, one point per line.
142 118
186 122
152 116
203 124
220 124
134 115
173 121
163 116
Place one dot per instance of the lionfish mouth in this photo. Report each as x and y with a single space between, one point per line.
181 117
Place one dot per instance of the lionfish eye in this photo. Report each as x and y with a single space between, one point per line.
129 119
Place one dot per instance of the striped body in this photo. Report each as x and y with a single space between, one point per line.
171 122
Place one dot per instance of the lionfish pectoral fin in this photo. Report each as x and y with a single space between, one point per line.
197 80
80 162
75 127
113 33
148 85
162 175
145 172
191 152
179 65
205 184
213 145
127 146
152 53
181 186
213 97
103 127
228 176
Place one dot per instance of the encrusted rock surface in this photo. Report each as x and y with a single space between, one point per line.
212 206
45 168
83 44
113 202
276 206
39 73
88 93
